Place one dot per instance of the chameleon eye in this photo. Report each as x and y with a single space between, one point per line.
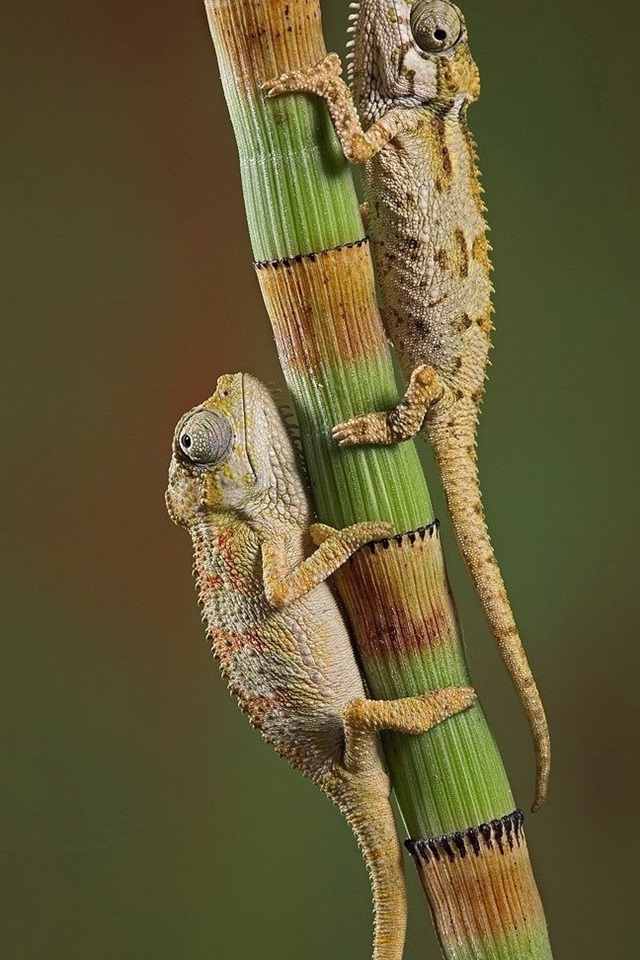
435 25
205 438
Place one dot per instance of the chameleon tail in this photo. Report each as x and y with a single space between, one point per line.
371 819
456 458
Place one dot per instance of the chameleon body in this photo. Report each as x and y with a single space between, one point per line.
413 77
275 626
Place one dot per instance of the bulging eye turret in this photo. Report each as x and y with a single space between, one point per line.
205 438
435 25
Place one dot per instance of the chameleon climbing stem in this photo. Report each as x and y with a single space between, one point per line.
314 269
277 631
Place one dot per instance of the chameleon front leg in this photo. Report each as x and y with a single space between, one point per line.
324 80
283 584
409 715
404 421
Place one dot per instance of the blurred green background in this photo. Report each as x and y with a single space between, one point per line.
144 818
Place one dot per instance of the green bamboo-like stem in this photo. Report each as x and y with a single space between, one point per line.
315 273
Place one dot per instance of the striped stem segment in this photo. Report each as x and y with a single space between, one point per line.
314 270
505 922
336 361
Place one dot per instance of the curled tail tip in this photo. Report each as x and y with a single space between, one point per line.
539 799
542 786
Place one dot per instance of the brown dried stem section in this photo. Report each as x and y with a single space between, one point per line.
404 576
305 295
266 37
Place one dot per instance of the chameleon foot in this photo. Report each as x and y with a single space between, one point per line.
404 421
408 715
369 428
317 79
354 536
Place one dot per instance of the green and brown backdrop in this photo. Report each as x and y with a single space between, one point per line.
143 817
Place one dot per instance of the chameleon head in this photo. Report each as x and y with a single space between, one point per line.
411 53
225 452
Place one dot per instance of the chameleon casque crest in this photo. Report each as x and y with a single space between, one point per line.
276 629
413 78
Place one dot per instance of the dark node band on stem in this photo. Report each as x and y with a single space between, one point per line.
504 833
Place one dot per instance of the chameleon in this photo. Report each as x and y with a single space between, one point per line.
275 626
405 119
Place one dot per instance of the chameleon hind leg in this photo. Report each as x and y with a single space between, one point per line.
404 421
408 715
369 812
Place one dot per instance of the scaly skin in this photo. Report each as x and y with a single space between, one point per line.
413 77
276 628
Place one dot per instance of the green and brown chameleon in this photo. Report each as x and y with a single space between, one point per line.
275 626
413 77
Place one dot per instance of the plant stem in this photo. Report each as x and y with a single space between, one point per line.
315 273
